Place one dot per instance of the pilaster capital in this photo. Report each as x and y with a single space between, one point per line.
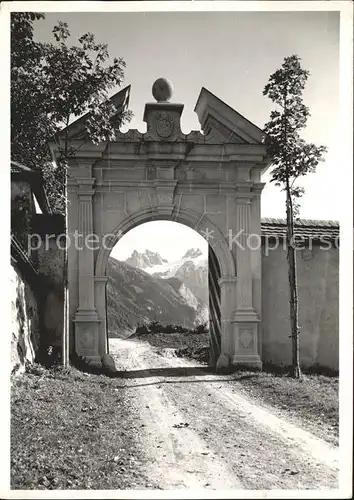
85 182
85 189
246 315
101 279
258 187
86 196
224 280
243 199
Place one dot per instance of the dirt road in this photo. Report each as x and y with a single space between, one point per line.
195 432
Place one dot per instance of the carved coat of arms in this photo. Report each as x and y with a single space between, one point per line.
164 125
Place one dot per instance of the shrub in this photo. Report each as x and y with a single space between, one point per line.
181 329
154 327
202 328
142 329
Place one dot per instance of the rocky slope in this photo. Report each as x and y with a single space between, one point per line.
136 297
198 305
195 277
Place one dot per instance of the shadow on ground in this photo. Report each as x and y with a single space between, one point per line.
164 372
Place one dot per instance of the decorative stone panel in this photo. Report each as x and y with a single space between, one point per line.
163 121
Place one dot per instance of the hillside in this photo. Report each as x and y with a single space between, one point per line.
135 297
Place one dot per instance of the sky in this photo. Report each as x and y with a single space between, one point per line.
232 54
170 239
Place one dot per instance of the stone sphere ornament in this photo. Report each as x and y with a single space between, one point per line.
162 90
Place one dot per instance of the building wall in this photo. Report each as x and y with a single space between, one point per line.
318 287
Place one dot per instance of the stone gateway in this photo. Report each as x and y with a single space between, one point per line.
209 180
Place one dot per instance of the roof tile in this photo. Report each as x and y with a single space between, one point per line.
307 228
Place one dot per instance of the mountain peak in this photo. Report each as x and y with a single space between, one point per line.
192 253
145 259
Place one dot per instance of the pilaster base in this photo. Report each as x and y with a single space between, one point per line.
246 315
246 324
86 333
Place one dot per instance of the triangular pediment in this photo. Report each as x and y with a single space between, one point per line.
77 130
222 124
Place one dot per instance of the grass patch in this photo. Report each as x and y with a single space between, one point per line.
311 400
71 430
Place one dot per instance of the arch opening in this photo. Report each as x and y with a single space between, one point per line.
164 274
199 222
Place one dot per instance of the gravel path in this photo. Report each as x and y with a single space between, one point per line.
197 433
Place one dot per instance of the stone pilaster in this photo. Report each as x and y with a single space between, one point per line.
246 321
86 318
228 286
256 257
100 299
243 262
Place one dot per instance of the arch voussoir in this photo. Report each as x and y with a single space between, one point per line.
185 217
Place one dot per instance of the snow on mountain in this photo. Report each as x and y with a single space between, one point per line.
145 260
192 253
161 267
191 269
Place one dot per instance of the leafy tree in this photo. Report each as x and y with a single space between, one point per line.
293 158
50 84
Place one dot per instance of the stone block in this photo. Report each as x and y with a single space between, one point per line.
125 174
219 220
214 174
215 204
113 200
134 201
146 198
112 219
194 202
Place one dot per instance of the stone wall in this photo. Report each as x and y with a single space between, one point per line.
51 270
318 287
51 267
37 296
25 333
